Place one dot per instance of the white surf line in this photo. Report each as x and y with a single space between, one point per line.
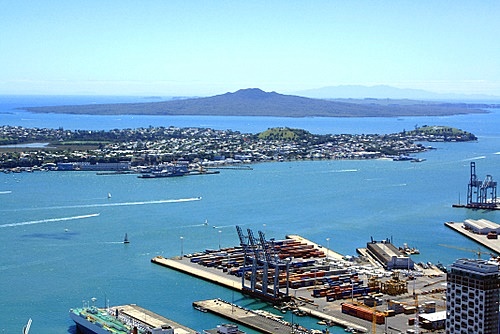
50 220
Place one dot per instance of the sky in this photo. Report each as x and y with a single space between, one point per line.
202 48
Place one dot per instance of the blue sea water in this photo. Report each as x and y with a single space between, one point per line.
60 234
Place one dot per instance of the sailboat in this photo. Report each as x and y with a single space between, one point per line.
125 240
26 329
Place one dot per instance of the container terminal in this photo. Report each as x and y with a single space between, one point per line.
369 293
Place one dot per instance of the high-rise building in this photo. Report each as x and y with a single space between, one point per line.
472 297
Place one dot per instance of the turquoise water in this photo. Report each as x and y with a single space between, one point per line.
60 234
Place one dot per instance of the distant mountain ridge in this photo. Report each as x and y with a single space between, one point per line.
386 92
255 102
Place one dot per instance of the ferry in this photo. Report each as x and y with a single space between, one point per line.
123 319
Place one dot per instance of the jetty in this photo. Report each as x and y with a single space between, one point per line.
187 267
151 319
261 321
482 239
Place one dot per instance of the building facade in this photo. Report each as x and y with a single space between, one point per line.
472 297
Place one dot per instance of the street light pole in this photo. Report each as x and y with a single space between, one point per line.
182 247
328 250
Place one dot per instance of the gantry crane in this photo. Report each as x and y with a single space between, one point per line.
263 258
481 193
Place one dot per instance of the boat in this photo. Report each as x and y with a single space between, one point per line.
165 171
123 319
409 250
201 309
26 328
402 157
125 239
224 329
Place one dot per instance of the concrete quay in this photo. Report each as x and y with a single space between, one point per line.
149 318
252 319
491 244
428 287
214 276
337 321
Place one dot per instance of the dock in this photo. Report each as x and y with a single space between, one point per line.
185 265
262 322
491 244
151 319
189 268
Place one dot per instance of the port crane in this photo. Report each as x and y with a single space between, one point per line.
264 258
481 193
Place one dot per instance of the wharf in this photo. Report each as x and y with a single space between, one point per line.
246 317
491 244
216 276
335 320
151 319
477 206
194 270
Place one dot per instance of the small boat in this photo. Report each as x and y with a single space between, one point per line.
109 195
201 309
125 239
26 329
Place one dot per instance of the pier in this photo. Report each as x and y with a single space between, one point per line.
262 322
138 314
217 276
189 268
491 244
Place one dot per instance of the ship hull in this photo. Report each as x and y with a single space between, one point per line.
86 327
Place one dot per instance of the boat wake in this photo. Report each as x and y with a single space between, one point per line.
223 226
101 205
161 201
475 158
5 192
344 170
50 220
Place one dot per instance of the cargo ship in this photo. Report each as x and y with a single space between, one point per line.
125 319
